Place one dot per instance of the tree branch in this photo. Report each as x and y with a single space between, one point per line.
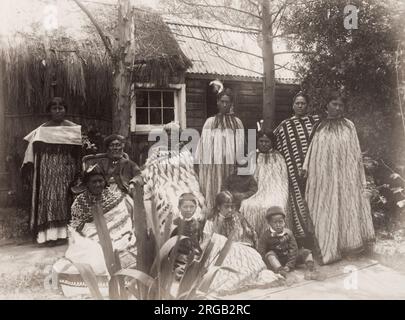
292 52
234 65
282 8
103 37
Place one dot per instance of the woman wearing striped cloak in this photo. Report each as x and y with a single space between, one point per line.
335 190
222 140
293 138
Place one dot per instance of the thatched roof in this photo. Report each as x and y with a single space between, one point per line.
77 67
158 55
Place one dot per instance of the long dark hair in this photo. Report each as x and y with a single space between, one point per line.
220 199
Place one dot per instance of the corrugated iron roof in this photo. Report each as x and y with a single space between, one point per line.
239 54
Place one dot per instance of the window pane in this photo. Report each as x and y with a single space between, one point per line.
168 115
141 116
155 101
168 99
142 99
156 116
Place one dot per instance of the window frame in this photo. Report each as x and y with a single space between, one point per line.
179 91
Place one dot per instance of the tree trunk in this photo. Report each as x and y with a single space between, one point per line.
269 82
124 60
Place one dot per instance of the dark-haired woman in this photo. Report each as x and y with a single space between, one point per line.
293 139
54 148
84 238
335 190
120 171
222 140
272 180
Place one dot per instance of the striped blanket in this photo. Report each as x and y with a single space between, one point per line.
293 138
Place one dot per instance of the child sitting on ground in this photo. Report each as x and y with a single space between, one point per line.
241 186
227 221
187 225
279 249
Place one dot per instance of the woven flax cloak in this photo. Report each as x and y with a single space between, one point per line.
222 139
337 204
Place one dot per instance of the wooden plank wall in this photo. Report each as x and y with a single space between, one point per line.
248 101
196 102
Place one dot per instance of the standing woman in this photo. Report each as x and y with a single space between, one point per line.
272 180
222 139
335 191
54 148
293 138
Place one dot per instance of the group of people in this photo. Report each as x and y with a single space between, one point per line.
305 197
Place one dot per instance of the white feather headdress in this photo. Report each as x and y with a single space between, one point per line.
218 85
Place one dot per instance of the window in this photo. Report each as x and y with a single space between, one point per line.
153 108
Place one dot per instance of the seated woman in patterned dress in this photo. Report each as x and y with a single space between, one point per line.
84 244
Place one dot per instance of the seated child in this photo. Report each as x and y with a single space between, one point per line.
187 225
279 249
227 221
241 186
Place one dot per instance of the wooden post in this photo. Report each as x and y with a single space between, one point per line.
269 83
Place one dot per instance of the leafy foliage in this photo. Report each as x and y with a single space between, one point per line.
159 282
360 62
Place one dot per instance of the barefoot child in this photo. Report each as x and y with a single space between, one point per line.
279 249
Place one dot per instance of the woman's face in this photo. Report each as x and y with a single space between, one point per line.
300 106
96 185
57 111
224 104
187 209
227 209
115 149
264 144
335 108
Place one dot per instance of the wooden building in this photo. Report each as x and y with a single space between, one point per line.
173 68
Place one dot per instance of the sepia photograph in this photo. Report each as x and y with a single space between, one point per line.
220 151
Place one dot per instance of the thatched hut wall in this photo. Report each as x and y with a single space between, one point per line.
31 75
